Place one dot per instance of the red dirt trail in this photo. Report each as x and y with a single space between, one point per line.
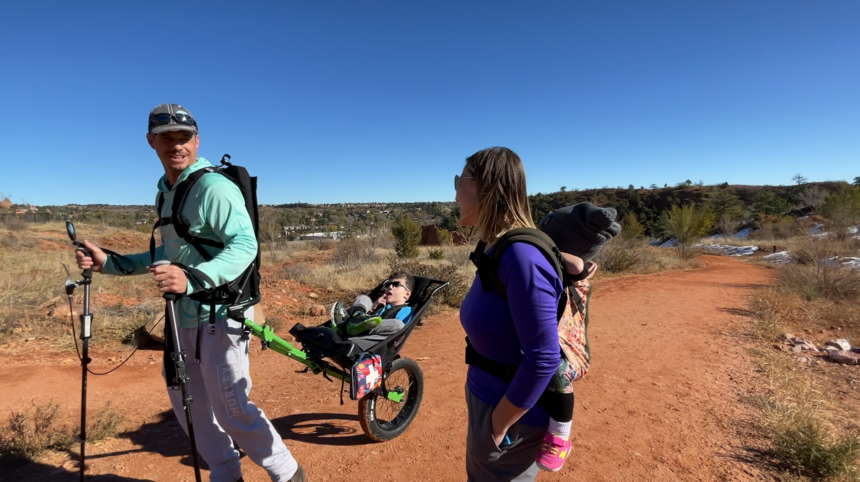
661 401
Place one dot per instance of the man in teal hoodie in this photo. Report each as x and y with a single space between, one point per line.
219 382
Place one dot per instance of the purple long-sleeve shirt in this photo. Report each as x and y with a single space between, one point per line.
520 330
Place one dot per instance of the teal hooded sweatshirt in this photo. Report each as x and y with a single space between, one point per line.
215 210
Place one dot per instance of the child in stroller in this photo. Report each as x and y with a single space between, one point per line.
386 316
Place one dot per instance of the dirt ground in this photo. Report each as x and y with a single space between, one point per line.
661 401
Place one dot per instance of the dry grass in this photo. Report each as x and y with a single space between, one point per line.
354 279
799 419
458 274
14 224
356 266
105 424
28 435
820 280
31 275
635 256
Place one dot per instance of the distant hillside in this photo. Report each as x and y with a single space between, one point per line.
740 202
648 205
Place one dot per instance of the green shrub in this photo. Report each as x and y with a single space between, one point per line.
803 446
443 236
631 228
436 253
407 236
687 223
842 208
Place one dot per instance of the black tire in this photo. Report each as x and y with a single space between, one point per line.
380 418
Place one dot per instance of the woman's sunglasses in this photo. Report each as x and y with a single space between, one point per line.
457 178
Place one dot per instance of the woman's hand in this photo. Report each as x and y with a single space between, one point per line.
504 416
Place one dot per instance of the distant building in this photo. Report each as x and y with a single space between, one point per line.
312 236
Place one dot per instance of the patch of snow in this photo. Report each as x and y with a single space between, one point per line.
728 250
743 234
781 257
851 263
817 228
853 231
670 243
841 262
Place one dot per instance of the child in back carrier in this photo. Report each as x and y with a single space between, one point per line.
579 232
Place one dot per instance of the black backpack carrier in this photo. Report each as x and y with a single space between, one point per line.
487 269
242 292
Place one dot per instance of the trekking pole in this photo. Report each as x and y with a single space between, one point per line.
178 357
86 322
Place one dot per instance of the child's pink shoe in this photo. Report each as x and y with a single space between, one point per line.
552 453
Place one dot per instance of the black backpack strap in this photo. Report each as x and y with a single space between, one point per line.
534 237
179 224
158 223
488 265
499 370
392 313
486 272
180 194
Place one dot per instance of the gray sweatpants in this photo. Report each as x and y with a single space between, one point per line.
485 461
221 412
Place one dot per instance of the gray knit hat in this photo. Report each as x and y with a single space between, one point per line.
581 229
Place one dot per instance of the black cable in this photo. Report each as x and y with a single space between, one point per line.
75 337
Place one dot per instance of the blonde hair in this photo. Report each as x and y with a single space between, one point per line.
503 202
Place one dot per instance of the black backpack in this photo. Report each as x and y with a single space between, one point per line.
244 290
488 267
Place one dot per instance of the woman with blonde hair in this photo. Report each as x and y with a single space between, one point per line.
505 427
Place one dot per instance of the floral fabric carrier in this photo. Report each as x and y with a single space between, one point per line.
573 330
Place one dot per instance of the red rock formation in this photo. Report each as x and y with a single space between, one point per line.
428 236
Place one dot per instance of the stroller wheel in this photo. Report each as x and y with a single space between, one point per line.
383 419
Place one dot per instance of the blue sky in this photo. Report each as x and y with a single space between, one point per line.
382 101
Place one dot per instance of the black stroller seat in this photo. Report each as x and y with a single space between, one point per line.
323 342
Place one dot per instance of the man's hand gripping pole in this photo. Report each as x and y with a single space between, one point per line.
178 357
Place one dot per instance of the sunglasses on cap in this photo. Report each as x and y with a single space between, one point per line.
395 284
457 178
158 120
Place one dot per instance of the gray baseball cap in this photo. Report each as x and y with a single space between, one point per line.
171 117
